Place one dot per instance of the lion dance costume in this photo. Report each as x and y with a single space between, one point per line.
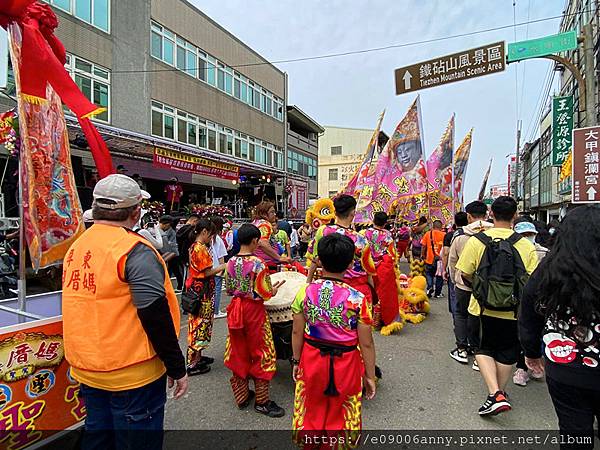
329 385
383 251
319 214
249 351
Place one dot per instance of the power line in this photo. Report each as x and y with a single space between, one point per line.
540 105
358 52
525 65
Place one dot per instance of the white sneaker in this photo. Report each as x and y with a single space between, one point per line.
475 366
220 315
459 355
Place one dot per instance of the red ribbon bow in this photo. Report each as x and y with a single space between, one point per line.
42 61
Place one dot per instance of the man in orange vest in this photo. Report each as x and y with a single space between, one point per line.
121 322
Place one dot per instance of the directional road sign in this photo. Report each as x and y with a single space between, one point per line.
586 174
548 45
459 66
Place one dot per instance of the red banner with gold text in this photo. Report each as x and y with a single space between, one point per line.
37 394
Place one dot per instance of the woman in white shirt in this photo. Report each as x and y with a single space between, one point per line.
218 252
294 241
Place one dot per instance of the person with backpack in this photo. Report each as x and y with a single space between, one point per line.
460 221
466 326
527 229
431 248
561 310
497 263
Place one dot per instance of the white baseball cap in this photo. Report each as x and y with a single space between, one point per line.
88 216
118 191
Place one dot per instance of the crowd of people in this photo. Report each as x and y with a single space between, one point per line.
516 289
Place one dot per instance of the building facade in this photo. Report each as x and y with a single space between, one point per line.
341 151
176 83
544 195
302 159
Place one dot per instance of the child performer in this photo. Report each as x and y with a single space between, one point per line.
383 251
250 351
359 275
331 320
201 279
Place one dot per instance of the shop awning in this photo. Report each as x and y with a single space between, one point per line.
129 144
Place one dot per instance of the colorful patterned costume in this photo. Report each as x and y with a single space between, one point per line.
329 386
200 326
363 264
250 351
384 254
266 234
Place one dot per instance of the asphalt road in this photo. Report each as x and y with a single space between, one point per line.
422 389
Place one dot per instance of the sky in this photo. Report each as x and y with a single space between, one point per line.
351 91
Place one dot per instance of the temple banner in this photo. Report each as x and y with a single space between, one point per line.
51 208
401 175
171 159
297 198
38 396
461 159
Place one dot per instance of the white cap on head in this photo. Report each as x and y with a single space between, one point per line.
87 216
118 191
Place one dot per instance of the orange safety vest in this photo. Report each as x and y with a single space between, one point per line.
102 331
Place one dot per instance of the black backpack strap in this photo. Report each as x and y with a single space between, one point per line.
483 238
514 238
431 243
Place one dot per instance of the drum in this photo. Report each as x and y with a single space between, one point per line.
279 307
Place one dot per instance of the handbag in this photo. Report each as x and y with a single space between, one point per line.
190 302
191 299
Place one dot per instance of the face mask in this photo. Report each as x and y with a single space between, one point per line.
552 231
531 239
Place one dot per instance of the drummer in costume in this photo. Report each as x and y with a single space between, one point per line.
331 320
264 216
383 251
359 275
250 352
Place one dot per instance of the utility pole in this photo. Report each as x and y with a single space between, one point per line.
590 75
517 162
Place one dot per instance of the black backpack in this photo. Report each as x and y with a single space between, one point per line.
500 277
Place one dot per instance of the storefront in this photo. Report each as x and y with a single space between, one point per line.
204 177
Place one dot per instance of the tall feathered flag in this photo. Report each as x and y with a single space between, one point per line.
439 175
485 180
461 159
400 180
365 173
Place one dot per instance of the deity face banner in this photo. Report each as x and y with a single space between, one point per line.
400 170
